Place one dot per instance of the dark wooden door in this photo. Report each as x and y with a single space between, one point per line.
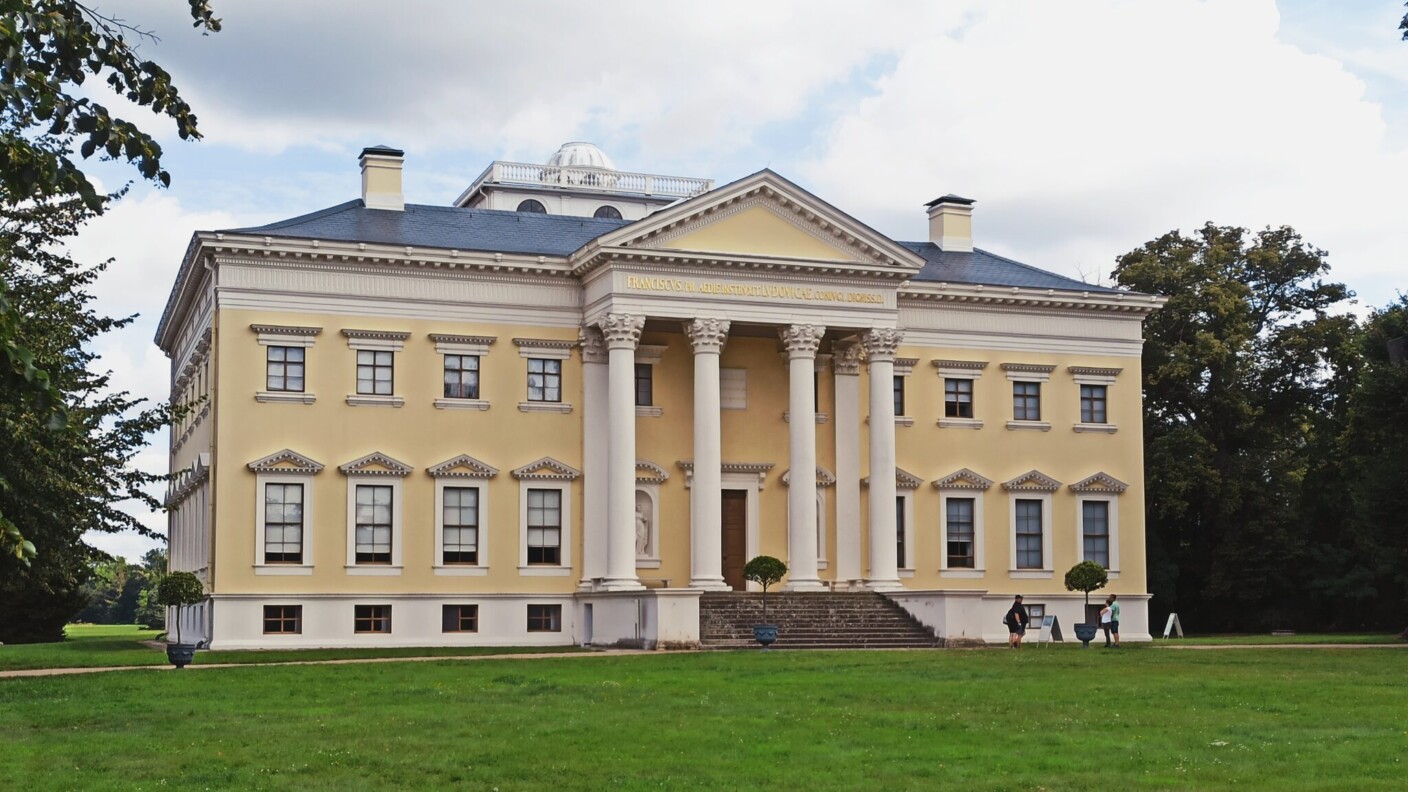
735 535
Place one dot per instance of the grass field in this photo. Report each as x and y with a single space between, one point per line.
1057 718
103 645
1303 638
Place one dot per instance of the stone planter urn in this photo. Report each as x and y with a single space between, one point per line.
765 634
1085 631
180 654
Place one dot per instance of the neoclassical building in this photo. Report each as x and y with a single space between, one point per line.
561 408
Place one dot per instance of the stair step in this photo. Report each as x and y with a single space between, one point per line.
810 620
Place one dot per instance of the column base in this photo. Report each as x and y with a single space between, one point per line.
710 584
884 585
811 584
620 584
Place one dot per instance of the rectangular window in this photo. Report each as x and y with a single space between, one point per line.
544 380
374 372
1026 401
371 619
645 391
1036 611
544 618
283 619
899 395
959 522
1092 404
1095 531
283 369
283 523
373 524
1029 534
459 618
461 376
901 552
545 526
958 398
461 519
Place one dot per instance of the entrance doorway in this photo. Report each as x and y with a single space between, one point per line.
735 537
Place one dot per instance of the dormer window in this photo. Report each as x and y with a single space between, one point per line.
607 213
532 206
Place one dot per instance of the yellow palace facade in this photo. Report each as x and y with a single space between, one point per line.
562 408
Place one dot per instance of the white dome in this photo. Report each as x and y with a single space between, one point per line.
580 155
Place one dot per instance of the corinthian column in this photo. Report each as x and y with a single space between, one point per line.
846 360
594 454
801 342
622 334
707 336
880 346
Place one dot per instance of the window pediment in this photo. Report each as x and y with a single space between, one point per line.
1032 481
824 477
963 479
462 466
286 461
376 464
648 472
1101 482
547 469
903 480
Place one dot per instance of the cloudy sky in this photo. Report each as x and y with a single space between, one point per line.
1082 128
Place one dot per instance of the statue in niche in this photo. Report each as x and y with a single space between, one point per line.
642 525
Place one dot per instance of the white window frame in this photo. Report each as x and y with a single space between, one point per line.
480 567
1094 376
564 566
979 569
545 349
376 341
906 570
286 336
904 367
965 370
1113 507
1047 529
649 355
397 498
472 346
1018 372
261 480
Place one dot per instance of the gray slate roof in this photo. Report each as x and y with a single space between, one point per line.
495 230
447 227
989 269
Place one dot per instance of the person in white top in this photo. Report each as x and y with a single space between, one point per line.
1106 615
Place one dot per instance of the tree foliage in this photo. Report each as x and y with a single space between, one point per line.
1247 372
64 479
178 590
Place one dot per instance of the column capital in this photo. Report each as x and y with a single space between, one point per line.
847 358
801 340
881 344
593 344
708 336
622 331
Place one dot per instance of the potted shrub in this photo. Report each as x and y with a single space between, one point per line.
765 571
178 590
1086 576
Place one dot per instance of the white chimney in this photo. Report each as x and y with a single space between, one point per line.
951 223
381 178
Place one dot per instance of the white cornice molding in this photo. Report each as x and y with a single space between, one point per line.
1133 303
709 262
462 466
760 469
547 469
648 472
286 461
384 466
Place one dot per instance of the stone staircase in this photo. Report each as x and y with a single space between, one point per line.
820 620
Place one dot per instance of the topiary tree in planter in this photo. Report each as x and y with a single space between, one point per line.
765 571
1087 576
179 590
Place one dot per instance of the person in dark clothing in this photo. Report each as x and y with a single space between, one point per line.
1016 621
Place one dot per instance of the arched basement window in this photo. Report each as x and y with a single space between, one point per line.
607 213
531 205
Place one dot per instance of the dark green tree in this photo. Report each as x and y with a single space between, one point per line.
48 49
1244 371
69 478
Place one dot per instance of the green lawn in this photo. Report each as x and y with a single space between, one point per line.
97 645
1056 718
1303 638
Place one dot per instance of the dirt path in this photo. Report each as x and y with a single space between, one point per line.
41 672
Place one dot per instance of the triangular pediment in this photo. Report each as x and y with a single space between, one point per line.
824 477
763 216
903 480
1032 481
546 468
462 466
376 464
286 461
963 479
1100 482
